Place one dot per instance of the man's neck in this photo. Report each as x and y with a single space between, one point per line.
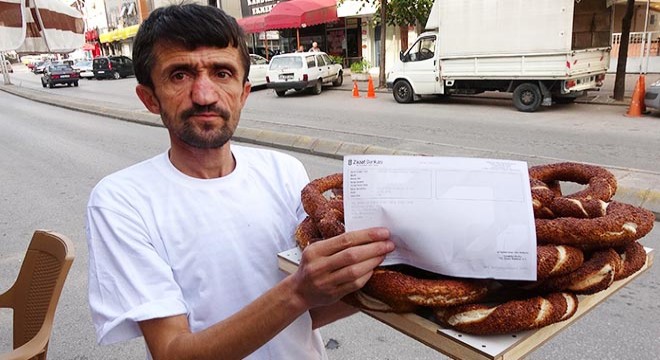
203 163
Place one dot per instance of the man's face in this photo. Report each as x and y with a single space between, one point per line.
199 94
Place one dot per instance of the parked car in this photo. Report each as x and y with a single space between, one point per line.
59 74
258 69
652 96
8 66
300 71
112 67
84 68
40 66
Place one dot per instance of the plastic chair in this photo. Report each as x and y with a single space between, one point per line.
35 294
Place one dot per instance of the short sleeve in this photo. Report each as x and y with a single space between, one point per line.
129 281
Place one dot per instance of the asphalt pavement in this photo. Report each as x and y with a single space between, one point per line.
635 187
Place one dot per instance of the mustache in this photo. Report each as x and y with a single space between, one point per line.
205 109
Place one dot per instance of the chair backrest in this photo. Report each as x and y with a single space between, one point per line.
36 292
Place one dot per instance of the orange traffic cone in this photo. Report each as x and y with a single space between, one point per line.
371 93
636 101
356 92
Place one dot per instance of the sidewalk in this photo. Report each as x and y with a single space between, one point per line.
634 187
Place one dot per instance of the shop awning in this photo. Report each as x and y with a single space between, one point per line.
301 13
253 24
40 26
119 34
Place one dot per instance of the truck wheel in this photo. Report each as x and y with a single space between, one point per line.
527 97
280 93
403 92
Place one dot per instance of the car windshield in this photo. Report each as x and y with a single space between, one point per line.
286 62
84 63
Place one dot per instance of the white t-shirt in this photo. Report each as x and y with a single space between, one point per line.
162 243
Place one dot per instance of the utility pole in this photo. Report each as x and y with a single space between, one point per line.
620 80
383 37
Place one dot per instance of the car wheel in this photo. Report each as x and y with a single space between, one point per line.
339 80
527 97
280 93
50 84
403 92
75 83
318 87
69 84
43 83
116 75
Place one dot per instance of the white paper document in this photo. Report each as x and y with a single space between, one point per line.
461 217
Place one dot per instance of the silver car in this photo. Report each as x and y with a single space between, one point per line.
84 67
652 97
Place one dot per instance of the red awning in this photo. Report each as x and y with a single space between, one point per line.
253 24
301 13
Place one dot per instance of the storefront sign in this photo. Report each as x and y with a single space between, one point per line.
257 7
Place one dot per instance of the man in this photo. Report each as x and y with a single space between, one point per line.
315 47
183 246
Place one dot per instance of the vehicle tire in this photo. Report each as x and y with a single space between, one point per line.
69 84
50 84
43 83
340 79
115 75
318 87
75 83
527 97
280 93
403 92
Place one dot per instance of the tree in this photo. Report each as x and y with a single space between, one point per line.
620 80
401 13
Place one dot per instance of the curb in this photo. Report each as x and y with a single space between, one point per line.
641 192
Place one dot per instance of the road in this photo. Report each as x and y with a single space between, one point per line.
460 126
53 157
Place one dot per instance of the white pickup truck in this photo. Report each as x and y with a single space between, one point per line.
541 51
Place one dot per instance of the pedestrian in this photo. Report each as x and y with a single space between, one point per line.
300 49
183 246
315 47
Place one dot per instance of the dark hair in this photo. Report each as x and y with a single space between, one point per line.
190 26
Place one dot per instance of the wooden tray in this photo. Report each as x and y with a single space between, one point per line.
464 346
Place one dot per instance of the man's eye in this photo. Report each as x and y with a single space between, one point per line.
223 74
179 76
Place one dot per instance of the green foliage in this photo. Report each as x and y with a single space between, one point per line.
361 66
337 59
402 12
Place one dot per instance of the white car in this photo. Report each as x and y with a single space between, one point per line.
84 67
258 69
304 70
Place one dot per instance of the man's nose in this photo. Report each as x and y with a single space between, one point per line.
204 91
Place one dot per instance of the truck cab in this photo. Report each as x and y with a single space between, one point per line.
417 71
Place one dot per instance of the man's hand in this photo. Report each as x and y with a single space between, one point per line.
335 267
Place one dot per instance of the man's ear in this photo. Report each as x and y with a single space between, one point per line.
247 87
148 98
